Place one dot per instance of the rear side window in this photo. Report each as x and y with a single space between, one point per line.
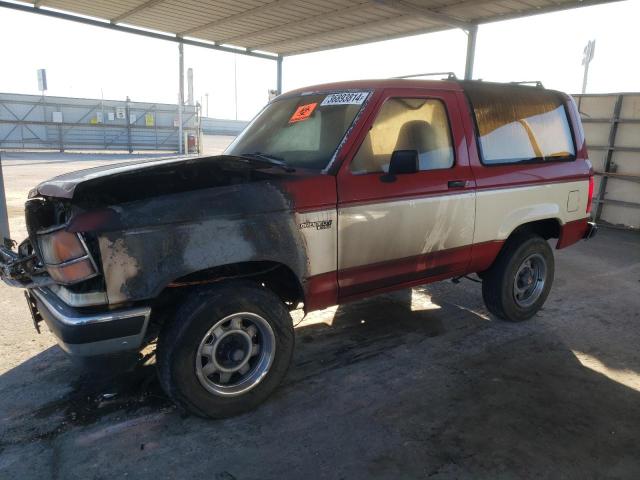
418 124
520 124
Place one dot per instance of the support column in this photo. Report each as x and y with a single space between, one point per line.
472 33
279 75
180 95
128 120
4 219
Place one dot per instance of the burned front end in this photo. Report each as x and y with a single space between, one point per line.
107 245
59 269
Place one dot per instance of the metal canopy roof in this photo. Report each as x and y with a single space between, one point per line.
289 27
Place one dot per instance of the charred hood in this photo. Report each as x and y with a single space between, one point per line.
125 182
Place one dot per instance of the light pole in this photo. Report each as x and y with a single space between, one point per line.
180 95
586 60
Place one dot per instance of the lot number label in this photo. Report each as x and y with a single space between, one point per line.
346 98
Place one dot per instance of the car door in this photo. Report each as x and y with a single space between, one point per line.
405 228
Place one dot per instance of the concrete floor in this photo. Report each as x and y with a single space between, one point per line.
416 384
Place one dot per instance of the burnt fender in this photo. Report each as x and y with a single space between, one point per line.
155 241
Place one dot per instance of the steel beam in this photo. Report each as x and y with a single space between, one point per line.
472 33
614 149
425 12
445 8
275 46
602 191
553 7
238 16
337 14
620 203
620 176
279 75
135 10
136 31
246 38
377 38
4 217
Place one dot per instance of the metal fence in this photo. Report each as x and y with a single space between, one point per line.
215 126
612 128
61 123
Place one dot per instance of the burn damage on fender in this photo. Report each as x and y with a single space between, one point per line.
171 219
165 238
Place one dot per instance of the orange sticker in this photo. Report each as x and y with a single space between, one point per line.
303 112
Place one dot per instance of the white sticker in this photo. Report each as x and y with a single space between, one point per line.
346 98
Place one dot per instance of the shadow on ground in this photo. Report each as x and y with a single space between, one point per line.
417 384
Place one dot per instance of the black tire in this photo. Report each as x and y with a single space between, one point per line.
498 289
181 337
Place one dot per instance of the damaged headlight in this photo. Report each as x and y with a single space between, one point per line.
66 257
60 246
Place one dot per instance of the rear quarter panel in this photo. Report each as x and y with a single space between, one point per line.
511 195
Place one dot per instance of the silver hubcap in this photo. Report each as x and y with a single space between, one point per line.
529 281
235 354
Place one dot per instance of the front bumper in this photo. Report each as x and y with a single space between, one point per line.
17 270
89 332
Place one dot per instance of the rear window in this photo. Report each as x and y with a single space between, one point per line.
520 124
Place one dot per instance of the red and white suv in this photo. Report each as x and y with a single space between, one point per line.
332 193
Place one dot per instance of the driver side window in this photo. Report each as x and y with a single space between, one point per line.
406 124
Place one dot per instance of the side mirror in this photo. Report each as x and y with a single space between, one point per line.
402 162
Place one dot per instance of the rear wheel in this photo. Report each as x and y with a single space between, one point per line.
226 350
518 283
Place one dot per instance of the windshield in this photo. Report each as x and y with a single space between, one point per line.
301 132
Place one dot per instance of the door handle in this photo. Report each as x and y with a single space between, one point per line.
457 183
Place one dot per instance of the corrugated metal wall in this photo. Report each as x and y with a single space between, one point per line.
62 123
612 128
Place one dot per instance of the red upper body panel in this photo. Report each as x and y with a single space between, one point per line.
494 176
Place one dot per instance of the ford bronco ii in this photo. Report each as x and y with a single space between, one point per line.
332 193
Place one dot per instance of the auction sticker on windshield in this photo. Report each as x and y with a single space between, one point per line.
346 98
303 112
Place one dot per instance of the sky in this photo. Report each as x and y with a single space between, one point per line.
92 62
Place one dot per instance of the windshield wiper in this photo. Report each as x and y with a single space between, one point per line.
271 159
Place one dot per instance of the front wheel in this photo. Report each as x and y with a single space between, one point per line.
226 350
518 283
